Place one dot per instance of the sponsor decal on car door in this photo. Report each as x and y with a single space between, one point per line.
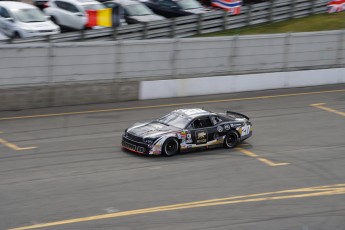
201 136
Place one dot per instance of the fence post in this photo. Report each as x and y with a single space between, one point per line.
199 28
145 25
48 38
82 34
292 8
233 50
50 77
174 58
114 34
10 40
173 27
225 20
50 63
286 51
249 14
312 8
341 47
118 58
270 15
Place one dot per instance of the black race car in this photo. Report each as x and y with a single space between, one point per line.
187 130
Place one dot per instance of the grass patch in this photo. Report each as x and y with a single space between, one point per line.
318 22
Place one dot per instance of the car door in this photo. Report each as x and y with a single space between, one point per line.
202 130
69 15
6 22
219 129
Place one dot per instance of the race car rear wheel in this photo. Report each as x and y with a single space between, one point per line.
170 147
231 139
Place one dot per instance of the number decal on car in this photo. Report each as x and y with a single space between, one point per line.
245 130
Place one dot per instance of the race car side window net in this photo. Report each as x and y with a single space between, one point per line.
215 120
202 123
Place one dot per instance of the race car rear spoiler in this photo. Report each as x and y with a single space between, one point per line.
237 114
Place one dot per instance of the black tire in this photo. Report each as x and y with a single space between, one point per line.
231 139
53 19
170 147
16 35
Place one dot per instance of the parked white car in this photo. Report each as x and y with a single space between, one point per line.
71 14
22 20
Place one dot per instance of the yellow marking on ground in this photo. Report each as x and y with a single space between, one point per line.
327 190
321 106
13 146
168 105
264 160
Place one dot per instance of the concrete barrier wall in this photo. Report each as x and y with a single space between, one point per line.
62 95
238 83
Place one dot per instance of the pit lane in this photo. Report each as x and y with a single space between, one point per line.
70 165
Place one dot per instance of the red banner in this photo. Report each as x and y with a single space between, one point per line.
336 6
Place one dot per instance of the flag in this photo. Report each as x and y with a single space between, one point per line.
104 17
91 18
233 6
336 6
101 17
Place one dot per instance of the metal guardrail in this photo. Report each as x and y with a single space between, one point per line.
273 11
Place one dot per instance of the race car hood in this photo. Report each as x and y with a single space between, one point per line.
151 129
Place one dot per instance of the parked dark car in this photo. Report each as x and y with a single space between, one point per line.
175 8
186 130
132 11
41 4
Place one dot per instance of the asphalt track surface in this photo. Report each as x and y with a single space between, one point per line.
63 168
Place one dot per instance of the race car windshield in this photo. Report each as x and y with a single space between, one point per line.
174 119
188 4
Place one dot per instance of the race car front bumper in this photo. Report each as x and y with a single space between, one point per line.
135 146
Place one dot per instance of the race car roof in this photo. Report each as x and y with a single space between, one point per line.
192 113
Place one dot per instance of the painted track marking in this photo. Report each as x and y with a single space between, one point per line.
321 106
264 160
168 105
327 190
13 146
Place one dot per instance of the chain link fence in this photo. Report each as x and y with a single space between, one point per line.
66 63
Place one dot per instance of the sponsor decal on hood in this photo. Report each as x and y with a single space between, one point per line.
151 129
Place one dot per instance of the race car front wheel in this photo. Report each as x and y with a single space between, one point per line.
170 147
231 139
